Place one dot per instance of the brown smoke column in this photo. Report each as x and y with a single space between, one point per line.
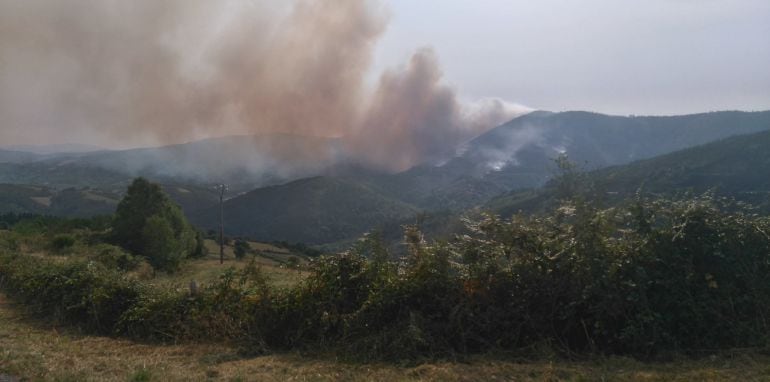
122 73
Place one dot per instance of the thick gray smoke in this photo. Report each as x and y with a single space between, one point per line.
413 118
130 73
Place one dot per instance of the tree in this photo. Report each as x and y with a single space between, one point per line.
160 245
147 223
241 248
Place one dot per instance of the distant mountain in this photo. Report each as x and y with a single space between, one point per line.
61 173
13 156
88 201
515 155
259 159
600 140
244 162
336 200
61 148
520 153
45 201
737 167
319 210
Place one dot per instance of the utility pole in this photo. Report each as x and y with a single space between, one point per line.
221 188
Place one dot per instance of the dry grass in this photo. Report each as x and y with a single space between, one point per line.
264 247
38 351
208 270
269 258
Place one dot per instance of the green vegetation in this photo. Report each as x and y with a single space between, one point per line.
39 351
147 223
735 167
314 210
62 242
334 211
622 261
649 279
241 248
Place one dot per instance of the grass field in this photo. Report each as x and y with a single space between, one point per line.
34 350
271 260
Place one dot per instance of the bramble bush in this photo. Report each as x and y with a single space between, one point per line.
62 242
82 293
645 278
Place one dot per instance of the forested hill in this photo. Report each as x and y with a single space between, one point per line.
736 167
314 210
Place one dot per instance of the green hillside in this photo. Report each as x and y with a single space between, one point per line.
488 172
737 167
519 154
69 202
318 210
89 201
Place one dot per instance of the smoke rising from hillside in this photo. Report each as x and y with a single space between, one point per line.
126 73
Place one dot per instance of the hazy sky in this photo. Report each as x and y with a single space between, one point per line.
417 75
612 56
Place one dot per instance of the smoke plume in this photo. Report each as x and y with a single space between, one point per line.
131 73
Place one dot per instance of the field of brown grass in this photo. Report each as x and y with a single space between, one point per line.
34 350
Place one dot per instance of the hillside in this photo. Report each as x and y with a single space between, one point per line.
318 210
520 153
45 201
347 199
87 201
514 155
61 148
735 167
16 156
242 161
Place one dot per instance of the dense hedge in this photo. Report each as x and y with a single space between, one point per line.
644 279
85 294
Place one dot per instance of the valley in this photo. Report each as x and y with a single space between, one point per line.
341 200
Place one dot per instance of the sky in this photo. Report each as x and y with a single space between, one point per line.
419 77
656 57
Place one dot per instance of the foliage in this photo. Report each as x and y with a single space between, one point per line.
114 257
645 278
300 248
84 294
147 223
62 242
29 224
200 247
241 248
734 167
318 210
292 262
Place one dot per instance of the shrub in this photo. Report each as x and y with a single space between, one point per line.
643 279
241 248
147 223
62 242
292 262
114 257
84 294
200 250
160 246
